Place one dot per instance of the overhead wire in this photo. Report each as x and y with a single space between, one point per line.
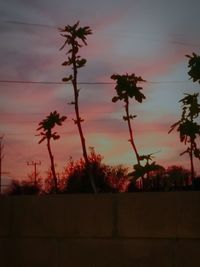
41 25
50 82
29 24
2 81
83 83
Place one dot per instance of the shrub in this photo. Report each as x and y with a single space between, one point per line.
23 188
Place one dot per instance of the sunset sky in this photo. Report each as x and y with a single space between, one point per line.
148 38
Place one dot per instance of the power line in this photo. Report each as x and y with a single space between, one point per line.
83 83
43 113
49 82
29 24
34 121
62 133
70 116
184 44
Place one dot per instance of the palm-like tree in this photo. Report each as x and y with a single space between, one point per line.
126 88
47 126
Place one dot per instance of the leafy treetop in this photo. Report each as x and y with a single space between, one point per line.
75 37
191 107
140 170
194 65
48 124
127 86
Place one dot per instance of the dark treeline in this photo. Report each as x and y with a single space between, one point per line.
108 179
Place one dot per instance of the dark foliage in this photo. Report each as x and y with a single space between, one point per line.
174 178
196 183
194 66
23 188
46 126
177 178
127 86
153 179
106 178
188 128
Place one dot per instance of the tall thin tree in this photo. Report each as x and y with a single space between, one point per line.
127 88
47 126
188 128
75 37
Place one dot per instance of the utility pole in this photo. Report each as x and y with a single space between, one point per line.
34 164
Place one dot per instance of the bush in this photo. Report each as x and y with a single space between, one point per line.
23 188
106 178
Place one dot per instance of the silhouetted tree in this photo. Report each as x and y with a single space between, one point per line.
126 88
117 177
23 188
107 178
177 177
49 186
196 184
144 171
188 128
157 180
47 126
75 38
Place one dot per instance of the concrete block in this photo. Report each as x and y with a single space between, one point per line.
5 252
189 215
148 252
118 253
31 253
187 253
90 216
89 253
64 216
147 215
5 216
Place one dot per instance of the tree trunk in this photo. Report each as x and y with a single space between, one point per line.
191 163
52 165
78 120
131 140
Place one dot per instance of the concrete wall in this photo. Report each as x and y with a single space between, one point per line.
125 230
